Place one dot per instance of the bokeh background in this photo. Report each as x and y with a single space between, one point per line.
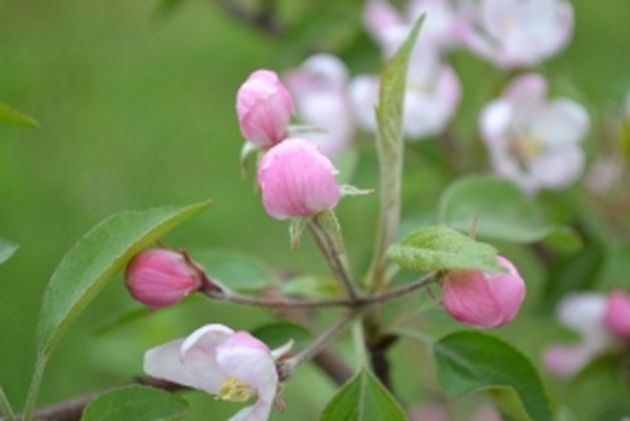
136 105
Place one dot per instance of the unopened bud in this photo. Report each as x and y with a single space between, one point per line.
297 180
264 108
617 319
160 278
484 300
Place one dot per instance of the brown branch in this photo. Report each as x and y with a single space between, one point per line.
72 409
263 19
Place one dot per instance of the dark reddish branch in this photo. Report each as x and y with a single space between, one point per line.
71 409
264 19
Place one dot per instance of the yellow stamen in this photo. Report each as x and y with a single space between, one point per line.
235 390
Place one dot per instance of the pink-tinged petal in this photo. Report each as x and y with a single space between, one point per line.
584 313
441 27
429 412
249 360
364 97
321 97
484 300
297 180
617 318
561 122
428 110
264 108
517 33
327 68
558 169
379 15
191 362
604 173
567 361
161 278
528 90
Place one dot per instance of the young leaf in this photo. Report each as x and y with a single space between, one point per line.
88 265
235 271
471 361
135 403
12 116
390 146
277 334
5 407
7 249
494 208
435 248
363 398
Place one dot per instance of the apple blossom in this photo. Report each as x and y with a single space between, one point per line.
532 141
319 88
484 300
233 366
617 317
297 180
441 30
583 313
160 278
432 96
518 33
264 108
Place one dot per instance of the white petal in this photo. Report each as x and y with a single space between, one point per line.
560 123
198 370
559 168
494 123
258 412
364 98
584 313
328 68
527 90
247 359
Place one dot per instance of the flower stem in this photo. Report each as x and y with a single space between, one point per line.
318 344
359 302
335 258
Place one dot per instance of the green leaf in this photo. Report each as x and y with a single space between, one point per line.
135 403
277 334
238 272
390 148
437 247
563 240
7 250
89 264
473 361
494 208
363 398
12 116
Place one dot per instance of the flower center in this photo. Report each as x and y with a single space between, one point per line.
526 147
235 390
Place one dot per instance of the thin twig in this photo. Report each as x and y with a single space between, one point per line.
72 409
264 19
336 261
364 301
317 345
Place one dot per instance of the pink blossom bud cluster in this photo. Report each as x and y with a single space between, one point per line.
295 178
601 321
484 300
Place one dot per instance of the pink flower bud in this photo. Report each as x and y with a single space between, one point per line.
617 319
160 278
264 107
297 180
484 300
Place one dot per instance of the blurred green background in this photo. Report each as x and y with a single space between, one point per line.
136 108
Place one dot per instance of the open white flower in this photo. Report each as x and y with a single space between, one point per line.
583 313
518 33
319 89
532 141
432 96
234 366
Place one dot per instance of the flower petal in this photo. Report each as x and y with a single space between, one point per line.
190 362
